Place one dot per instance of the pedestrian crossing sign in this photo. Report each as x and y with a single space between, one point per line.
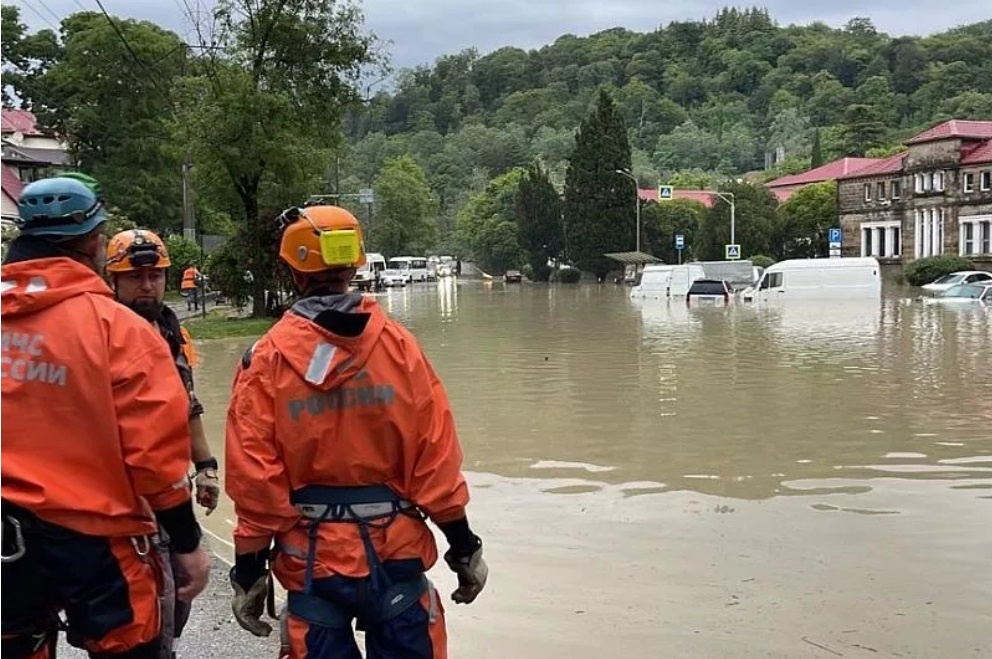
666 193
732 252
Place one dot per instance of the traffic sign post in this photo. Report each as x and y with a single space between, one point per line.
680 245
835 238
666 193
732 252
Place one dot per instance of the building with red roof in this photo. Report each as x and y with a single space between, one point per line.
933 198
29 153
784 186
702 196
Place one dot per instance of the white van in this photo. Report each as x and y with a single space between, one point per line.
366 276
819 279
414 267
664 281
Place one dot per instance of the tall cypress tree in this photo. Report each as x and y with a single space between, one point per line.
816 158
537 208
599 202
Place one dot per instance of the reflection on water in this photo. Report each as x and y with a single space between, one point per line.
746 402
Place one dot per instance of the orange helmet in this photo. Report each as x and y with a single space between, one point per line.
136 248
319 238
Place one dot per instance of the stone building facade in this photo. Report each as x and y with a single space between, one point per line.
934 198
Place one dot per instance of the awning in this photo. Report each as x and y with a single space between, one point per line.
633 258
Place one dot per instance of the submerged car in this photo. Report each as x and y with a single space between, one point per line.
956 278
965 294
513 277
709 292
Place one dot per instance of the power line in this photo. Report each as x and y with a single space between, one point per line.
57 18
39 15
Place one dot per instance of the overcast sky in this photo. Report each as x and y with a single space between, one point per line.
421 30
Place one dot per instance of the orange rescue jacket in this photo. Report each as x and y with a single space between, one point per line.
313 407
189 279
94 413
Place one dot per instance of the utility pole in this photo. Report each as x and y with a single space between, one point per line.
637 204
189 216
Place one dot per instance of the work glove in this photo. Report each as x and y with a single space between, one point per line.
207 488
248 607
472 573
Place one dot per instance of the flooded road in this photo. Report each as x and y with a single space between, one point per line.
656 481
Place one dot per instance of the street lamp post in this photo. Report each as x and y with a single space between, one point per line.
733 228
637 204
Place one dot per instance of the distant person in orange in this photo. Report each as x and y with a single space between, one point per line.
190 287
340 444
95 448
137 264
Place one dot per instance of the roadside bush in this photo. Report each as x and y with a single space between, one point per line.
568 275
761 261
925 270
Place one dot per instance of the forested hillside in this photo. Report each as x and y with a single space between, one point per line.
699 99
466 156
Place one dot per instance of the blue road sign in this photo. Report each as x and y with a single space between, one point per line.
679 241
666 193
834 236
732 252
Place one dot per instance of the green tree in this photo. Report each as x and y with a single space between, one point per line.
538 213
816 153
487 228
265 108
755 207
663 220
599 202
25 58
107 94
802 221
862 129
405 211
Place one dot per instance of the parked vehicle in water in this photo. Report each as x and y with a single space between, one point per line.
709 292
662 281
369 276
818 279
980 293
394 278
957 278
513 277
415 267
738 274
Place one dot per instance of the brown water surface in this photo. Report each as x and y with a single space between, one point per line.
657 481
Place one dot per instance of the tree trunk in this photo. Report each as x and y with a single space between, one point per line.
249 199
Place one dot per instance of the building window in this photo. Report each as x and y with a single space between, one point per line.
928 232
985 180
968 182
976 235
867 191
881 239
895 188
921 183
938 181
880 190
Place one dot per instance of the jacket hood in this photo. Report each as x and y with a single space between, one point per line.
34 285
328 339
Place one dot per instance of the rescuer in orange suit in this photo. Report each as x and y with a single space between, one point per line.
95 449
340 444
137 264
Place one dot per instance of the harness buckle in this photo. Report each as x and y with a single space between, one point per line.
19 547
142 545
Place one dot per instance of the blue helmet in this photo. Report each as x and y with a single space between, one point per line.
59 207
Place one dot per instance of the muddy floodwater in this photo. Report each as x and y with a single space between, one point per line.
657 481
